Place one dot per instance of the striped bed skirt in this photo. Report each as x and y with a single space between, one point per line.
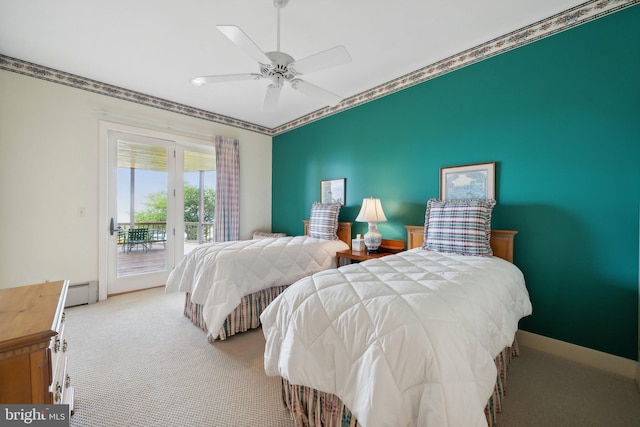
244 317
313 408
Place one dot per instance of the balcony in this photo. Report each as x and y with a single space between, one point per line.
149 255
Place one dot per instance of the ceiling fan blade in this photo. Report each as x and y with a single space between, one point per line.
271 97
243 41
329 58
316 92
202 80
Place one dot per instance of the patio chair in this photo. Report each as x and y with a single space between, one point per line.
138 237
157 235
122 239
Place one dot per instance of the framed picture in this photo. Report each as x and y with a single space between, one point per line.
476 181
333 191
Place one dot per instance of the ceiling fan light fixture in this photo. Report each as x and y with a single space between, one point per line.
277 82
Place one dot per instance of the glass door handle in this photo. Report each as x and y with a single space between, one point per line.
111 226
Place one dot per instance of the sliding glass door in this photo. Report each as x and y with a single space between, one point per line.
142 211
158 198
199 197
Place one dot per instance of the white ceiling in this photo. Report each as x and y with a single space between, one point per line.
156 46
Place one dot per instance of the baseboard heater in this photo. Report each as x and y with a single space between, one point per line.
82 293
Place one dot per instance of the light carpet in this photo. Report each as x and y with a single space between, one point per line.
135 360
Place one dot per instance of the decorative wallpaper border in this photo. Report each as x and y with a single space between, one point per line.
562 21
67 79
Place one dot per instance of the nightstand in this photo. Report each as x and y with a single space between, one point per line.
388 247
358 256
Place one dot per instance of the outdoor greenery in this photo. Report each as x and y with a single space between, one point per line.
156 207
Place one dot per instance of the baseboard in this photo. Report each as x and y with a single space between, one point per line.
135 290
586 356
82 293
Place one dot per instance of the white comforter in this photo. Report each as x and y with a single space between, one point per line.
218 275
404 340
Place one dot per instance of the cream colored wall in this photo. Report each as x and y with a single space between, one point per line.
49 141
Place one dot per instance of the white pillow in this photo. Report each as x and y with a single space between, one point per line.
265 235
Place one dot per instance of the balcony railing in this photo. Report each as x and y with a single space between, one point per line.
198 232
193 231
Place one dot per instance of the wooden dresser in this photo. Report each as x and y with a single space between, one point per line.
33 350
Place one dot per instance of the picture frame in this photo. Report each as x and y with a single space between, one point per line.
473 181
333 191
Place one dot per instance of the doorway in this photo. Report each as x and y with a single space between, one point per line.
158 193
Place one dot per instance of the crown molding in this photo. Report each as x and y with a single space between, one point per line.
562 21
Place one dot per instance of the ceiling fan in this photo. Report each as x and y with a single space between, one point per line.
279 67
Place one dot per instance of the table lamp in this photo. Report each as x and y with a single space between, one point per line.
372 213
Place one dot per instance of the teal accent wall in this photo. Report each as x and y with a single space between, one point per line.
560 117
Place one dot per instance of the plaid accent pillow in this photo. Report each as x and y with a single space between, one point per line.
323 222
459 226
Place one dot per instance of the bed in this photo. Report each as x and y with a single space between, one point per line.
227 285
422 337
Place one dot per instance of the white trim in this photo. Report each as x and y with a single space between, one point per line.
164 127
583 355
103 213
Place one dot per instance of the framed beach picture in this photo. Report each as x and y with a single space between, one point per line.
475 181
333 191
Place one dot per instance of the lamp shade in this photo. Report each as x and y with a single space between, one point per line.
371 211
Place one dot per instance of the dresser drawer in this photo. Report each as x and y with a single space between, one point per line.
58 361
61 385
58 348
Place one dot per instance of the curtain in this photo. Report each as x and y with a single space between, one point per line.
227 210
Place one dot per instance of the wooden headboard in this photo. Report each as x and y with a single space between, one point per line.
344 231
501 240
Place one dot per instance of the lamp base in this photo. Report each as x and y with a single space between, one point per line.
372 239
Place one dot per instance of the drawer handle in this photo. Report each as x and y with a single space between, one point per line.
56 346
64 346
67 382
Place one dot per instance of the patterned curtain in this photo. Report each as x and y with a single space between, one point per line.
227 210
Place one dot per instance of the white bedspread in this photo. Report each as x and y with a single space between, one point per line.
218 275
404 340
